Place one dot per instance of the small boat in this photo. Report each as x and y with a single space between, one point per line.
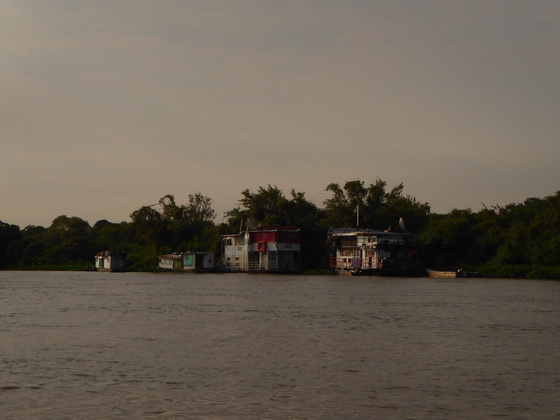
443 274
451 274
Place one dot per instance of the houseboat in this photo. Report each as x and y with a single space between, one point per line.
110 261
269 250
187 261
369 252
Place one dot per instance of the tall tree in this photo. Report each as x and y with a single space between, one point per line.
373 206
149 225
67 241
341 209
199 209
268 206
170 225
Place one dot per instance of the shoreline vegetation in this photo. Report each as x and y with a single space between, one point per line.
513 241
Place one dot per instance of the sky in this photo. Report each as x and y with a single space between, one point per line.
108 105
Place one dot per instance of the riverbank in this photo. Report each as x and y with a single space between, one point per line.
543 272
531 272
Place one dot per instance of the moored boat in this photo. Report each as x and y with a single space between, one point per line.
442 274
451 274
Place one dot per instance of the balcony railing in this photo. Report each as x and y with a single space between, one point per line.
354 263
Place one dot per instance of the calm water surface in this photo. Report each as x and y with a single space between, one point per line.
169 346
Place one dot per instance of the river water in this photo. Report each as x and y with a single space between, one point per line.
235 346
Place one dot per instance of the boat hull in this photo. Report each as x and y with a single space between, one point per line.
442 274
452 274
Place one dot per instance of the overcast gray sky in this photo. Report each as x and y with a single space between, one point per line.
107 105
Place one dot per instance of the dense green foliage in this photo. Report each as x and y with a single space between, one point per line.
517 240
514 236
373 206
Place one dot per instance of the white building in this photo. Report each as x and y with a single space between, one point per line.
263 250
110 261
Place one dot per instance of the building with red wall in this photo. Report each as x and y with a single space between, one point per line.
263 250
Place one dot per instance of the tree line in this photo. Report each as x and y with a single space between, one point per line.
516 240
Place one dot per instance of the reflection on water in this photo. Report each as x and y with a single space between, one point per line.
164 346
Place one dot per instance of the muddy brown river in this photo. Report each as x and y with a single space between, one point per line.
235 346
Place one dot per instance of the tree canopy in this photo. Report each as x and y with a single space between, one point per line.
268 206
373 206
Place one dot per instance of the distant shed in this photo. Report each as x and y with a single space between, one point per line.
110 261
187 261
